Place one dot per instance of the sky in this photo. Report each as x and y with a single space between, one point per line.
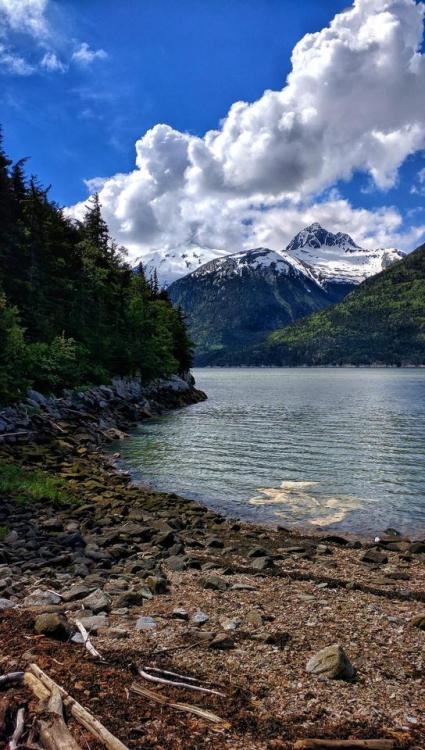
222 124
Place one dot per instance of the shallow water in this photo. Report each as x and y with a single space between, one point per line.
326 448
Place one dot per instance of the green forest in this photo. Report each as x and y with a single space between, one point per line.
380 322
72 310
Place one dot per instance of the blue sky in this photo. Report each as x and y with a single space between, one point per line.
81 82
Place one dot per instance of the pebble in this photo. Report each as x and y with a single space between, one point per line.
145 623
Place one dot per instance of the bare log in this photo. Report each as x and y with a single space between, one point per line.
79 713
19 730
197 710
54 733
8 680
321 744
174 683
87 642
36 687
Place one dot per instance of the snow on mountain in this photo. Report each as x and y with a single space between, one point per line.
259 259
315 252
337 258
173 264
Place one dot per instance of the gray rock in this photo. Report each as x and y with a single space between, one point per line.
199 618
177 562
374 556
179 614
242 587
78 591
6 604
94 622
215 583
145 623
331 662
262 563
257 552
98 601
222 642
419 621
40 598
157 584
232 624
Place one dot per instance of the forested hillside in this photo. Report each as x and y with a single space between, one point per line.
72 311
382 321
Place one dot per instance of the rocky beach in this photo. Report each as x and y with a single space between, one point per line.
178 628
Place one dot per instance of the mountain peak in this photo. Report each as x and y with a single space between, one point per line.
315 236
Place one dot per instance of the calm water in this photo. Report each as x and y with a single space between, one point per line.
336 449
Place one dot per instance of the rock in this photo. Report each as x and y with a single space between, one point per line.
165 540
39 598
177 562
419 621
11 538
214 543
78 591
222 642
131 598
98 601
277 638
93 623
262 563
199 618
254 618
417 547
331 662
215 583
334 539
52 524
232 624
157 584
145 623
179 614
6 604
257 552
55 626
374 556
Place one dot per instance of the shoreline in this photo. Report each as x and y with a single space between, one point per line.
183 588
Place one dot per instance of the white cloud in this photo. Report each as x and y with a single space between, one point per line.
14 63
353 101
51 62
25 16
30 18
84 55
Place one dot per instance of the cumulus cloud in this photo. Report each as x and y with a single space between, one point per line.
25 16
353 101
14 63
84 55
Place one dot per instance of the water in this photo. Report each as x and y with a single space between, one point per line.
320 448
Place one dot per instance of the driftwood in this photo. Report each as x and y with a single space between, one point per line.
8 680
313 744
174 683
87 642
36 687
79 713
197 710
19 730
54 733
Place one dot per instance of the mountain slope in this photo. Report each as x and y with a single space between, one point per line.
382 321
233 302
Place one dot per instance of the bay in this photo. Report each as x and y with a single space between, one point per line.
337 449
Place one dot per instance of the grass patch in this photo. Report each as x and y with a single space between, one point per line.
28 486
3 532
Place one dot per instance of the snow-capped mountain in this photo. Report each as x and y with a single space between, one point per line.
336 258
332 258
258 261
173 264
235 301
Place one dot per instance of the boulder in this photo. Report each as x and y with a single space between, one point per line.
39 597
419 621
78 591
52 625
215 583
157 584
6 604
374 556
262 563
331 662
98 601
